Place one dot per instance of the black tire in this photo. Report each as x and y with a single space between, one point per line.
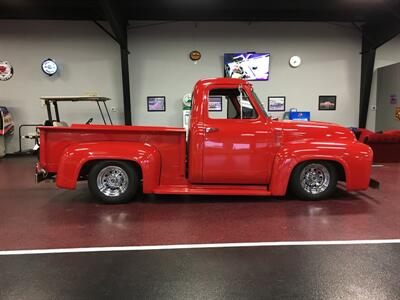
323 170
126 182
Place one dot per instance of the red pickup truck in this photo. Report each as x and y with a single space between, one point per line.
237 151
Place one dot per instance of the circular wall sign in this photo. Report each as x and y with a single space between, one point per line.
49 67
195 55
187 100
6 70
295 61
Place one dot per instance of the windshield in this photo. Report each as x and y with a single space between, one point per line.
259 103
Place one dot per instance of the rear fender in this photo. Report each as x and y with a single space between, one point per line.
76 155
287 158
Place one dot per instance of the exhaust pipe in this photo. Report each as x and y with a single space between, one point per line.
374 184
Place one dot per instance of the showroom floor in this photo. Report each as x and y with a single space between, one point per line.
43 217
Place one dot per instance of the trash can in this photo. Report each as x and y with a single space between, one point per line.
6 127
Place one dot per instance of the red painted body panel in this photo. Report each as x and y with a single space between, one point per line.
136 143
204 189
301 141
76 155
243 156
245 147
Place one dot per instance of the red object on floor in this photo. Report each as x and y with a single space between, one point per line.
42 216
386 145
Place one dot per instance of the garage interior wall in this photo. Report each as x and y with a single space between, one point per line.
387 54
160 64
88 59
388 89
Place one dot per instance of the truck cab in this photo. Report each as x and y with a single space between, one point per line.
239 150
240 138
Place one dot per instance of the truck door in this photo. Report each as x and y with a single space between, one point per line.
238 141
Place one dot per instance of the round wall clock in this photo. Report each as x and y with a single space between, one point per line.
295 61
49 67
6 70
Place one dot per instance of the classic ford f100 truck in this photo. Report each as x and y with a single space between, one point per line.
237 151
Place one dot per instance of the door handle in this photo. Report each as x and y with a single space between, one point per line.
210 129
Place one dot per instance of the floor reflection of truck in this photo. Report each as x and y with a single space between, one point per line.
242 152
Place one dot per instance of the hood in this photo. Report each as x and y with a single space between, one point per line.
303 131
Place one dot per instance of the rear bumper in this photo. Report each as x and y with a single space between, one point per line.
40 173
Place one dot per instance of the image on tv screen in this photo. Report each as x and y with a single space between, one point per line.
248 66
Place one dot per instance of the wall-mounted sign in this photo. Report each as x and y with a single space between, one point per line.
195 55
156 103
187 101
6 70
49 67
215 103
327 103
397 113
276 103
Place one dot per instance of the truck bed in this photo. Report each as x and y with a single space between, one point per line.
170 142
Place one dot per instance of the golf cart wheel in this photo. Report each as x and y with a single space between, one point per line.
113 181
314 180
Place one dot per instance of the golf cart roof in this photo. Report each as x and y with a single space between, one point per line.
74 98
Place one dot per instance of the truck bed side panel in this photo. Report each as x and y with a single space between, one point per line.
170 142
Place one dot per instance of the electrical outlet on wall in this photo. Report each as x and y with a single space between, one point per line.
373 107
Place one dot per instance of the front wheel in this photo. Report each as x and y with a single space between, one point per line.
113 182
314 180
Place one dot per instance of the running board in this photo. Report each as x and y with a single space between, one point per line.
201 189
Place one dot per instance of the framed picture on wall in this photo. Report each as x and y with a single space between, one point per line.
327 103
215 103
276 103
156 103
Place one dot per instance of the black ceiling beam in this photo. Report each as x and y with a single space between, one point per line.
367 71
117 23
192 10
375 34
119 26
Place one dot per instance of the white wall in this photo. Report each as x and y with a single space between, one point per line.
159 64
89 60
388 84
387 54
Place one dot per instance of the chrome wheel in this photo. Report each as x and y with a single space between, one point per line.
112 181
314 178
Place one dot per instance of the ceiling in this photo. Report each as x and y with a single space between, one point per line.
206 10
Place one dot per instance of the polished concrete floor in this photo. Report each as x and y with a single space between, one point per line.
44 217
296 272
36 216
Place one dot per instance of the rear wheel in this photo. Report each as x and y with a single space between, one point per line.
314 180
113 182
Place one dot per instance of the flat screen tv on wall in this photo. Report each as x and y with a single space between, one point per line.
248 66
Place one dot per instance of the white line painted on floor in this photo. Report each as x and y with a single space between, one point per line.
199 246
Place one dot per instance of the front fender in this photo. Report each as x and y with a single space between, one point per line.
76 155
354 157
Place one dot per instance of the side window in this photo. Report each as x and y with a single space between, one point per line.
230 104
